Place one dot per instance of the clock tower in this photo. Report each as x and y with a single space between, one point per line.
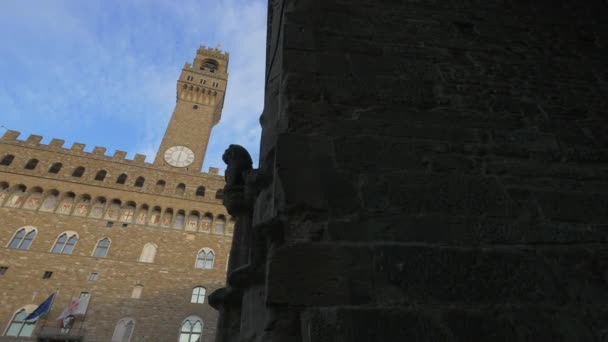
201 88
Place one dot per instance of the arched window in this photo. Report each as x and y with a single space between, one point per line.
55 168
23 238
200 191
101 175
7 160
209 64
160 186
180 189
31 164
219 194
122 179
198 295
19 327
101 250
78 172
65 243
205 259
191 330
123 330
139 182
137 291
148 253
220 223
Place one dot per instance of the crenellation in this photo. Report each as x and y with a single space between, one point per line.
78 147
100 151
11 135
139 159
213 170
119 155
213 52
33 139
57 143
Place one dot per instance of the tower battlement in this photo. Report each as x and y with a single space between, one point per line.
212 52
57 145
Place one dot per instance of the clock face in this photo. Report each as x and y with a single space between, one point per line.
179 156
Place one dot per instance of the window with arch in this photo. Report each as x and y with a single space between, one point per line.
65 243
219 194
180 189
7 160
122 179
148 253
78 172
205 259
31 164
160 186
209 64
139 182
200 191
55 168
101 250
19 326
198 295
23 238
123 330
101 175
191 329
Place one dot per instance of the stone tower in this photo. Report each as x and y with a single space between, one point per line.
200 99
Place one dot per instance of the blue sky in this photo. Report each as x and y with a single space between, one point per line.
103 73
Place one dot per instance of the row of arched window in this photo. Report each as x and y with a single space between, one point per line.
66 242
102 175
191 328
115 210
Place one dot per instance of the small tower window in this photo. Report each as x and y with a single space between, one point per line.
121 179
55 168
137 290
209 65
195 107
160 186
139 182
219 194
78 172
7 160
181 189
101 175
31 164
200 191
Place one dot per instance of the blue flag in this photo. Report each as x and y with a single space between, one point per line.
41 309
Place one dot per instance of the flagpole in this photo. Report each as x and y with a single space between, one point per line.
48 313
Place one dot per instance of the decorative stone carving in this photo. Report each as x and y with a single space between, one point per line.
238 161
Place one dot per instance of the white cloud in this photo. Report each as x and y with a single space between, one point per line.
104 73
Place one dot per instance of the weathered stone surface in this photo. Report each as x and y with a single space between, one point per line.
440 170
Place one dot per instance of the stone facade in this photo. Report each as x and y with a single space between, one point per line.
175 211
429 171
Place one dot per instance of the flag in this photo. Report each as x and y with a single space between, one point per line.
78 306
41 309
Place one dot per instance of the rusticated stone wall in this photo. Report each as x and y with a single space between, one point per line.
437 171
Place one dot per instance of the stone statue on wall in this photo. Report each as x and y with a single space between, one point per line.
238 161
